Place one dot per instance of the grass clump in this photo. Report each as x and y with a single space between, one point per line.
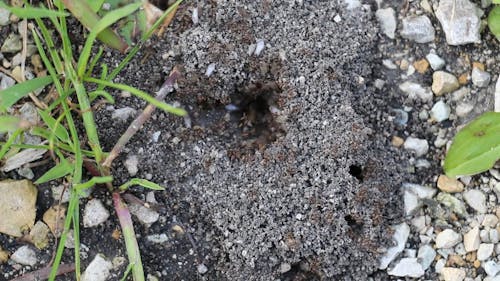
70 75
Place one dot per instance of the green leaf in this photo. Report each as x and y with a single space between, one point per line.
59 130
494 21
58 171
11 95
496 1
33 13
101 25
11 123
476 147
95 4
142 182
93 181
93 95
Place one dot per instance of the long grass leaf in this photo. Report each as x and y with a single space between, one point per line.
102 24
141 182
10 123
9 142
95 4
33 13
59 130
11 95
140 94
60 170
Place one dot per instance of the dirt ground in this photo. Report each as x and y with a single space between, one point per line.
299 182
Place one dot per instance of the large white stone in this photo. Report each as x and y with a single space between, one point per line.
419 146
98 269
472 239
453 274
485 250
476 200
447 239
460 21
400 236
387 20
407 267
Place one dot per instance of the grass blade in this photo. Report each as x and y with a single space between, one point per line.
140 94
142 182
11 123
33 13
102 24
84 13
95 5
58 171
10 141
60 132
11 95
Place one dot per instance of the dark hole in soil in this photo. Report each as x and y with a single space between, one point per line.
356 171
356 226
300 272
162 4
251 106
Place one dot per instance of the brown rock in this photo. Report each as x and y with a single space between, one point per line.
421 66
464 79
54 218
479 65
443 83
397 141
449 185
455 260
39 235
4 256
17 206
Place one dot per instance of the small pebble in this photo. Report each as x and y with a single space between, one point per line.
449 185
132 164
447 239
98 269
485 250
202 269
443 83
435 61
418 29
472 240
480 78
440 111
453 274
418 146
476 200
95 213
25 256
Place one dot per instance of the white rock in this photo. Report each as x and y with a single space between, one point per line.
419 146
414 91
411 202
210 69
202 269
460 21
484 234
443 83
423 192
447 239
98 269
352 4
485 250
407 267
419 224
472 240
490 220
440 111
418 29
480 78
57 193
123 114
494 236
145 215
453 203
157 238
387 20
25 256
438 267
426 255
453 274
476 200
491 268
435 61
400 236
497 95
131 164
389 64
95 213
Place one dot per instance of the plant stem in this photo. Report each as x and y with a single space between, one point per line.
134 256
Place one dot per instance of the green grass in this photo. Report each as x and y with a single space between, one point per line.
59 126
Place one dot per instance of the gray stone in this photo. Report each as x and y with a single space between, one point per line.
387 20
6 82
123 114
435 61
414 91
158 238
25 256
447 239
145 215
460 21
476 200
472 239
4 17
12 44
480 78
202 268
423 192
494 236
98 269
463 108
418 146
407 267
426 255
451 202
132 164
485 250
418 29
443 83
491 268
439 266
400 236
440 111
95 213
